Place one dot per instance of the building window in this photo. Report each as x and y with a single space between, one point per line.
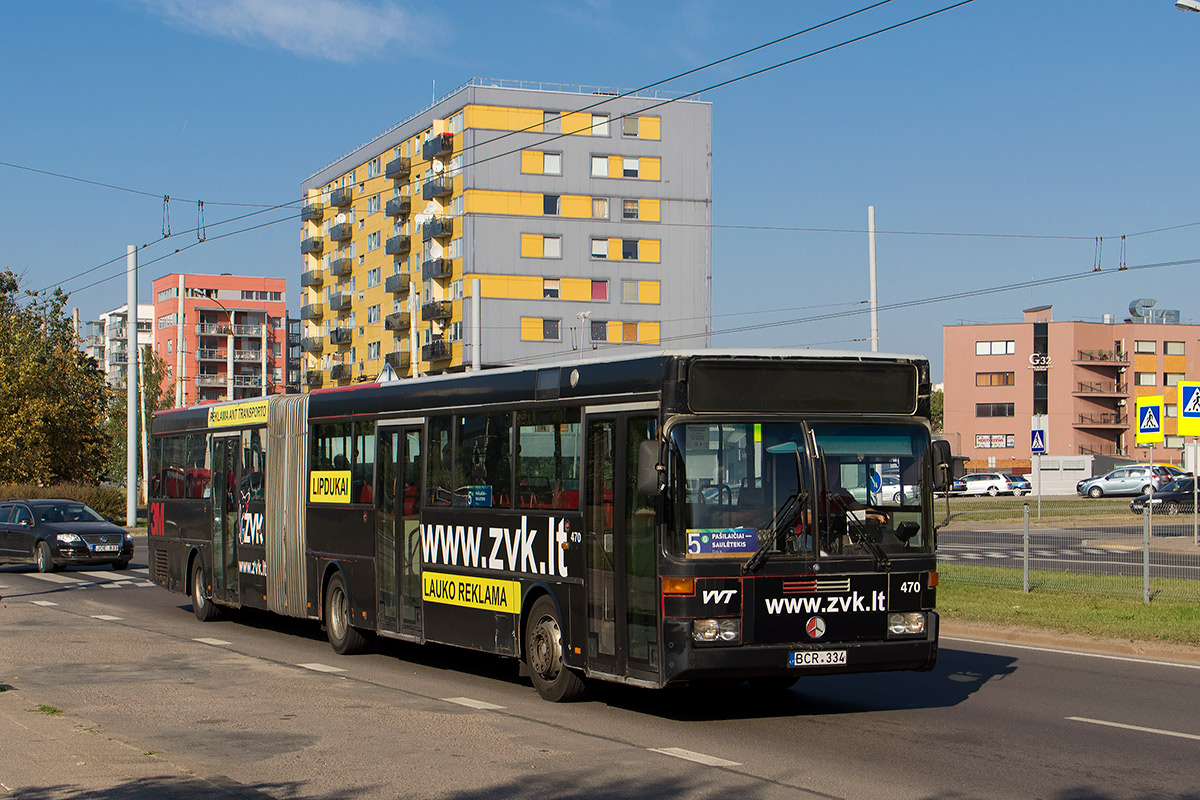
629 209
1173 378
167 294
600 290
550 205
995 378
1143 346
629 127
629 291
1145 379
373 169
629 331
1173 348
599 208
372 315
599 124
550 122
372 350
550 330
998 348
629 249
276 297
373 204
373 277
552 163
1169 409
551 247
629 167
599 248
599 166
455 126
599 331
550 288
166 321
1173 442
994 410
373 241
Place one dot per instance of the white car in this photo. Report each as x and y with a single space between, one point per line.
992 483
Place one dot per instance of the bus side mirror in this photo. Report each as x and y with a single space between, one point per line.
942 460
650 472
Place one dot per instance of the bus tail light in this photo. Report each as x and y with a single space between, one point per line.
679 585
717 630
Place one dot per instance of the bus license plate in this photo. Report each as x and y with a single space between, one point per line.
105 548
816 658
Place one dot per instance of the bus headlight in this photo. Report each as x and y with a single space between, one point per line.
908 623
716 630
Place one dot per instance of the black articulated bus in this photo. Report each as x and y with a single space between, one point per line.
652 519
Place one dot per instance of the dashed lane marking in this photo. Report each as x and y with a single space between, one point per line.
213 642
472 703
105 617
321 668
43 603
699 758
1139 728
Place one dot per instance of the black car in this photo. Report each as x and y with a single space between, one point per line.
53 534
1176 496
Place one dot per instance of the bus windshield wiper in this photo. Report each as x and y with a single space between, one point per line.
860 537
782 518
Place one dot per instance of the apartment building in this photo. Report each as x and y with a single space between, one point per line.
509 223
221 336
1082 378
107 339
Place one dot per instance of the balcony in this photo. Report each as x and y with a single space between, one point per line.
397 283
437 227
397 168
312 344
210 329
248 356
313 212
312 311
209 354
340 301
341 197
1101 388
437 146
210 380
397 359
437 350
120 358
312 378
312 244
1113 420
1091 357
440 186
397 321
341 267
1109 450
398 207
438 309
313 277
339 372
340 335
245 381
436 268
341 232
248 330
397 245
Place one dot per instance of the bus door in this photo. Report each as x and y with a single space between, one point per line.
225 513
621 553
398 541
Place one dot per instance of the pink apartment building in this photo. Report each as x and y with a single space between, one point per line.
1084 377
221 336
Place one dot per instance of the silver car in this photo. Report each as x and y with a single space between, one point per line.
1134 479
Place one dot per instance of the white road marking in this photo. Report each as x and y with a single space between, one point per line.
1071 652
321 668
699 758
105 617
1159 731
108 576
43 603
470 703
971 556
54 577
213 642
109 585
995 555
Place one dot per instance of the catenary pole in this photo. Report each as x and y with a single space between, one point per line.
874 283
131 387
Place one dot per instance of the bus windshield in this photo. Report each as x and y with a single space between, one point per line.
823 489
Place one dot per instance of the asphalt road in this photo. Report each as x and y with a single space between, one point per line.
260 706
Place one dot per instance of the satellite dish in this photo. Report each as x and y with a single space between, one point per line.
438 166
340 219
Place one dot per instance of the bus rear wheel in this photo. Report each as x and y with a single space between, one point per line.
343 637
553 679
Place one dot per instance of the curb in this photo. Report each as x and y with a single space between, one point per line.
1161 651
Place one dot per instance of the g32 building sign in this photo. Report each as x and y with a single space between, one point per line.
1039 362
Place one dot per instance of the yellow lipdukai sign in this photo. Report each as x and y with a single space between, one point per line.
329 486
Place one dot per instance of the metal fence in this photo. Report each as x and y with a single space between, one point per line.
1109 546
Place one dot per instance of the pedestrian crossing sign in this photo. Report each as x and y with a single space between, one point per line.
1037 442
1189 408
1149 419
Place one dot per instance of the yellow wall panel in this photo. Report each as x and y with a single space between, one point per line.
576 289
649 291
1174 363
650 128
1145 362
649 210
650 169
575 205
531 161
531 245
576 123
531 329
648 332
614 252
485 201
616 166
614 331
649 250
513 287
501 118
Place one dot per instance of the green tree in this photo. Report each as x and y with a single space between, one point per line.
158 393
936 401
52 396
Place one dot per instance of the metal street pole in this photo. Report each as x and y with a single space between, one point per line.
131 387
874 285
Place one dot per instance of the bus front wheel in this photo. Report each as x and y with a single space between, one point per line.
202 606
553 679
344 637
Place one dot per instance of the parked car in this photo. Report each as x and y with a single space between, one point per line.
1133 479
992 483
1019 485
52 534
1176 496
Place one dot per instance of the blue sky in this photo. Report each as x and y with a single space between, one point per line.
1013 118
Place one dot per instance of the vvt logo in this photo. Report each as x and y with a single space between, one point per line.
718 595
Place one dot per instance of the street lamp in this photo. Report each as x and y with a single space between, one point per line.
228 350
1188 5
